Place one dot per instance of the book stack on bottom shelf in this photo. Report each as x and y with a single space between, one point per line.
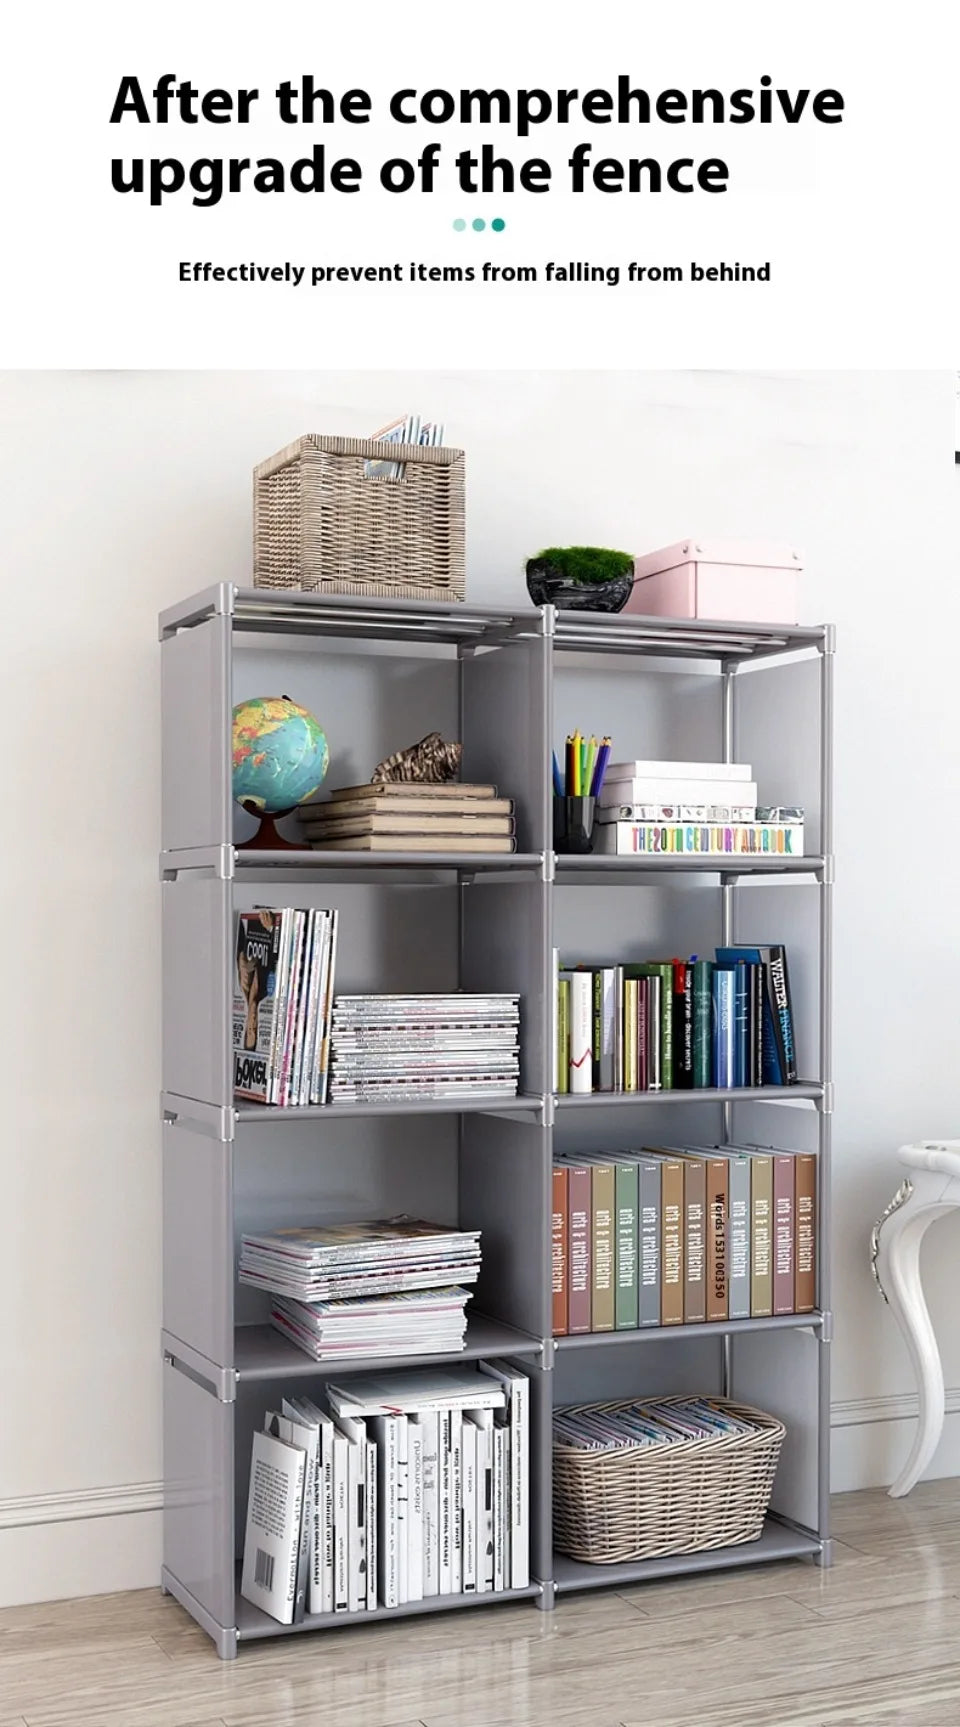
394 1489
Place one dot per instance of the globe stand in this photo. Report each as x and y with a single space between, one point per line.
266 839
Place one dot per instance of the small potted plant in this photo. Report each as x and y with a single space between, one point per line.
580 578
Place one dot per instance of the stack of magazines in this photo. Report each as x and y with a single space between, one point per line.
391 1287
390 1048
282 999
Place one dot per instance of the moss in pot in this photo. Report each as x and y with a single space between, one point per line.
580 578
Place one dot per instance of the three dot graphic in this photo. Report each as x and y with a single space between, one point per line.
478 224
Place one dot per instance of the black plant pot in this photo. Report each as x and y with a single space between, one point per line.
547 587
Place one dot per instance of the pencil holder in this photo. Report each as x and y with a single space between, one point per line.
573 824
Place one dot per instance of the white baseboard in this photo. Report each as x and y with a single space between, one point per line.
82 1555
871 1438
26 1512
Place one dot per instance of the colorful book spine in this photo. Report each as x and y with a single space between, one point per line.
694 1240
627 1289
783 1011
649 1172
702 1022
783 1233
603 1205
755 974
605 988
630 1034
806 1223
697 839
682 1025
580 1273
738 1235
671 1241
761 1237
581 1031
563 1034
643 1032
724 1069
560 1248
717 1178
741 1025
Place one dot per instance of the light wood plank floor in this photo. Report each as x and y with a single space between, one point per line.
874 1641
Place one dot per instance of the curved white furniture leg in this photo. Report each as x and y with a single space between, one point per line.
898 1273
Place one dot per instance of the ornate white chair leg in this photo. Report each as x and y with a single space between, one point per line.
897 1240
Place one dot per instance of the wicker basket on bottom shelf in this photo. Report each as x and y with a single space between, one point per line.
644 1501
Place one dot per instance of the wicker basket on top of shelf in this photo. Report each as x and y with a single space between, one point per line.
322 522
645 1501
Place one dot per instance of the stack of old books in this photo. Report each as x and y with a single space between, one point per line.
405 816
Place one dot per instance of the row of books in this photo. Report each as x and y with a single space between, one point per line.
395 1490
657 1421
664 1025
282 1001
394 1048
682 1235
404 816
391 1286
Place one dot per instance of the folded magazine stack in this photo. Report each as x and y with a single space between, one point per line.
392 1490
397 1286
395 1048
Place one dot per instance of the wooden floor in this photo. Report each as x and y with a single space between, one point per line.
874 1640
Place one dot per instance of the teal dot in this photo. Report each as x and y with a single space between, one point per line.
498 224
479 224
459 224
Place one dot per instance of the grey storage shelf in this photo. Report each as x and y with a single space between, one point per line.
493 924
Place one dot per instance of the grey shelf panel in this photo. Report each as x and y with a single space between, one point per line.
292 612
266 1113
804 1091
686 638
614 868
260 1352
251 865
677 1333
252 1624
778 1541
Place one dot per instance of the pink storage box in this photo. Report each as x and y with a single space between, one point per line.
739 581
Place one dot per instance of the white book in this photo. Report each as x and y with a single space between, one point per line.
482 1420
428 1425
280 985
677 791
356 1436
501 1464
370 1516
581 1031
321 1582
414 1510
341 1525
446 1502
468 1443
384 1429
299 1429
456 1502
319 1005
294 1433
292 1004
517 1387
326 1006
641 770
300 1024
272 1541
414 1392
301 1086
403 1489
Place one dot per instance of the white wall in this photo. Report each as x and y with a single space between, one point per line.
124 492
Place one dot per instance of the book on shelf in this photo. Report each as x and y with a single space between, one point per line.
283 992
394 1492
628 837
421 842
401 791
675 1024
652 789
396 1047
698 1235
683 771
409 817
675 814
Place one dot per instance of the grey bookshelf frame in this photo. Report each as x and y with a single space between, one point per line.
507 661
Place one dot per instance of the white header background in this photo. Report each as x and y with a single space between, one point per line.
858 220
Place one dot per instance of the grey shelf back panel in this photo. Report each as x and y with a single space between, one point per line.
198 1263
505 946
197 718
777 1372
505 728
503 1189
198 1468
197 1022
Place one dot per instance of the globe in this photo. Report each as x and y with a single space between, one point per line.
280 754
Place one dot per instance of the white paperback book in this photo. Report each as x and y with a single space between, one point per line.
356 1436
501 1527
415 1391
428 1425
272 1541
414 1509
581 1031
384 1428
321 1582
468 1442
301 1430
403 1552
482 1420
446 1502
341 1534
639 770
456 1502
370 1512
294 1433
517 1388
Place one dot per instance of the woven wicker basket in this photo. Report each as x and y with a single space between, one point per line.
319 522
640 1502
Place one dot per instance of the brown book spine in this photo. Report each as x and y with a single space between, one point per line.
579 1281
561 1248
718 1171
784 1188
671 1242
604 1201
694 1240
806 1224
761 1238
